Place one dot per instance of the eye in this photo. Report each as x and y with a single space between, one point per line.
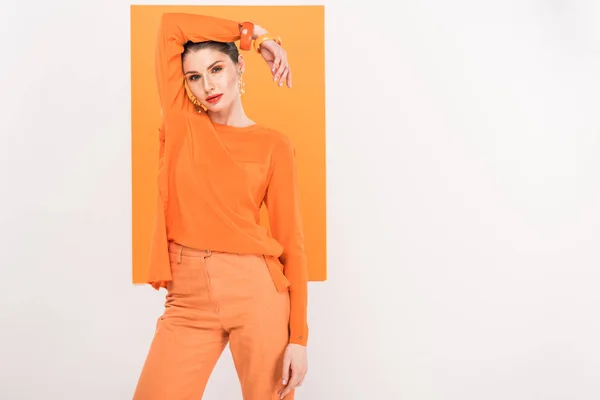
194 77
217 69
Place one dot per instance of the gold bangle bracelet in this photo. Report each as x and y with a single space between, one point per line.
263 38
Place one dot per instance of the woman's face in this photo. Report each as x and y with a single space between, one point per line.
213 78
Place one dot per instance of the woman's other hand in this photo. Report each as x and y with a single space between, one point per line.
294 368
276 59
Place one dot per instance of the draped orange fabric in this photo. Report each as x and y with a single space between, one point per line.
213 179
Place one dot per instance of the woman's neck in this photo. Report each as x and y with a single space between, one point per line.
233 116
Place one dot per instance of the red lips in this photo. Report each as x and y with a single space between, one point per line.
214 98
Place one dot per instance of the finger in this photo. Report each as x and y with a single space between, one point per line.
294 379
282 66
285 380
289 388
275 67
284 390
285 375
284 393
280 72
284 75
289 77
271 65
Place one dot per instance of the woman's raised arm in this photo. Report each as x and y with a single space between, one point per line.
175 29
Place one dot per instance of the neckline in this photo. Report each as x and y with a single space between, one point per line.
222 128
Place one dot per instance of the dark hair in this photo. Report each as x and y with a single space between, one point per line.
228 48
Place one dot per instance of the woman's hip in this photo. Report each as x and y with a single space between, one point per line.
204 276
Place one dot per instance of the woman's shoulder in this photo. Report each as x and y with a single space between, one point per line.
274 136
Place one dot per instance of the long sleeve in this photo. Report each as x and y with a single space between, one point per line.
159 257
283 205
176 29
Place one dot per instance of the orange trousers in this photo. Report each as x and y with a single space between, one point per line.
215 299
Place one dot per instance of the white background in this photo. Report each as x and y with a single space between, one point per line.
463 148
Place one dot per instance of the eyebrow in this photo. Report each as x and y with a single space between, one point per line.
209 67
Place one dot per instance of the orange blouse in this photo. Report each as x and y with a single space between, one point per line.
213 179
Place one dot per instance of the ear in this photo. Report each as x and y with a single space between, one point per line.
241 64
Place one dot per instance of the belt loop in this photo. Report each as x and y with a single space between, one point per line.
179 254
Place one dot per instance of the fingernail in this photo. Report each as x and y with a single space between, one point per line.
283 381
280 83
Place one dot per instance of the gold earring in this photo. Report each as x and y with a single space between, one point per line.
241 85
199 107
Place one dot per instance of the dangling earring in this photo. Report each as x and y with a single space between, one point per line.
241 85
193 99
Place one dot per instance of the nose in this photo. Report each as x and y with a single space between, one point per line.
206 84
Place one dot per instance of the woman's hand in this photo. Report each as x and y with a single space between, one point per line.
294 368
275 56
276 59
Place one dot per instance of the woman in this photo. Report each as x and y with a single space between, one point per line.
228 279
